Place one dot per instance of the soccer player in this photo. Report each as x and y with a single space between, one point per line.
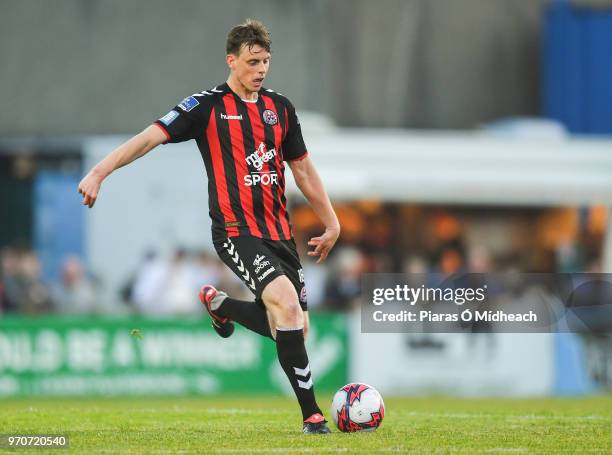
245 133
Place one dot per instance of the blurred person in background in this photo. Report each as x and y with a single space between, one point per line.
245 134
344 285
176 297
74 293
148 283
23 290
206 269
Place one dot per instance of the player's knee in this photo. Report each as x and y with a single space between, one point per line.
287 308
282 301
292 314
287 311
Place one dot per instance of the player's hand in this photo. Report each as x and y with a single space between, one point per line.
324 243
90 187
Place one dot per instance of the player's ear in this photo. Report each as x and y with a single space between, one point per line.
231 61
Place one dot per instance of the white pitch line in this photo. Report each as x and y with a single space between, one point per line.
445 449
465 415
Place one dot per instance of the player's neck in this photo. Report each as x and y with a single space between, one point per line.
241 90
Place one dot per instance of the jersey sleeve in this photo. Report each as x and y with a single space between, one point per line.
187 120
294 147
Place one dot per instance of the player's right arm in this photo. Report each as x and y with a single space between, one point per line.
185 121
127 152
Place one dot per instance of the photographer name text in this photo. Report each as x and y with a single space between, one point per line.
464 316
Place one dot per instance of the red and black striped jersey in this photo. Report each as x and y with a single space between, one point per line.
243 144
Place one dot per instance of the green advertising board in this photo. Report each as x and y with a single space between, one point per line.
131 356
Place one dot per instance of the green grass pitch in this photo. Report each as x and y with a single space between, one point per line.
269 425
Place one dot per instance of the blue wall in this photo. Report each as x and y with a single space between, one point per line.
58 220
577 68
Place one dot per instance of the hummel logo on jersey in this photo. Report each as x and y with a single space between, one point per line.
231 117
260 156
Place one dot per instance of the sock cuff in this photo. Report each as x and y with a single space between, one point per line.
292 336
290 329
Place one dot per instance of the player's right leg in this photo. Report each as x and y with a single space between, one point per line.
212 299
253 262
224 309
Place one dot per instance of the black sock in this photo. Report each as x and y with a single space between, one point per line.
294 360
251 315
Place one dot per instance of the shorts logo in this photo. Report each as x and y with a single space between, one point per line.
258 259
189 103
265 274
260 156
270 117
303 295
231 117
301 275
169 118
260 263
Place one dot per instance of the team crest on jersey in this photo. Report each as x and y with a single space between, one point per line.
270 117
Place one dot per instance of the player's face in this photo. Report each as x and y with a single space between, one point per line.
250 67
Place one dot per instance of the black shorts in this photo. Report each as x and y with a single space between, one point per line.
258 261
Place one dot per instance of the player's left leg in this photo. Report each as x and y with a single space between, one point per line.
281 300
272 324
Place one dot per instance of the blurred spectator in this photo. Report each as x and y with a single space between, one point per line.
148 283
314 278
344 285
206 270
170 286
75 293
179 293
478 259
415 265
23 290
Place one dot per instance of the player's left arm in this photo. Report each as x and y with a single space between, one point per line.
310 184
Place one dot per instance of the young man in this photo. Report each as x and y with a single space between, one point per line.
244 133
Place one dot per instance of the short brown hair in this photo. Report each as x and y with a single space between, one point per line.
249 33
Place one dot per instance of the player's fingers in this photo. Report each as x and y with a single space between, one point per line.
88 200
323 256
325 252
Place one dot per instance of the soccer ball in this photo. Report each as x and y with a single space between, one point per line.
357 407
